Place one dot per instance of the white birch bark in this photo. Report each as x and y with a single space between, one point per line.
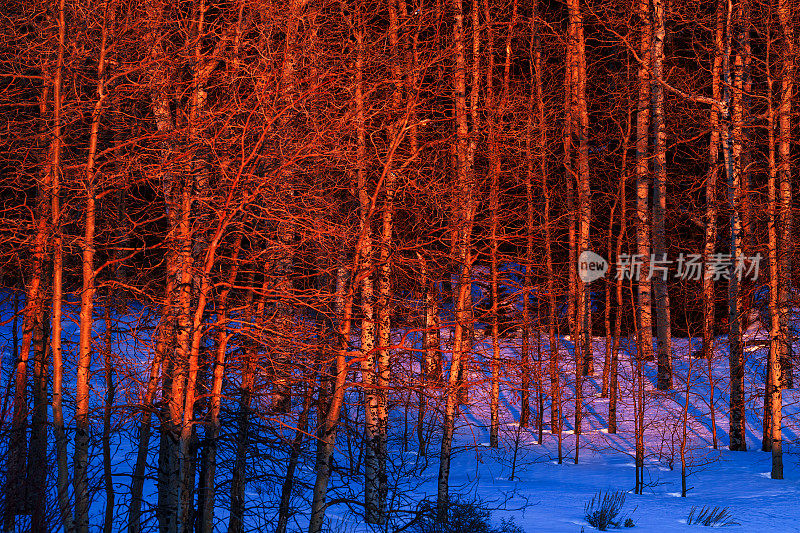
659 281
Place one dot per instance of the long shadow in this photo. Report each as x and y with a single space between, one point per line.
702 417
700 388
590 413
698 406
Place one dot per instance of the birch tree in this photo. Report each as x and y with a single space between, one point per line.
710 238
773 399
785 216
463 216
644 304
731 148
659 283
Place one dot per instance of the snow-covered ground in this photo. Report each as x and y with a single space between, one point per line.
543 495
556 494
546 496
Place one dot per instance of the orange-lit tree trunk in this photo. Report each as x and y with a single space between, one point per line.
254 317
622 202
36 474
659 281
62 479
368 356
462 217
429 355
731 149
208 495
709 298
644 305
576 63
785 216
206 499
584 189
326 433
541 152
81 453
16 486
773 398
168 468
494 193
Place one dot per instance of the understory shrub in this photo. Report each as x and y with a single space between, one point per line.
603 509
462 517
707 516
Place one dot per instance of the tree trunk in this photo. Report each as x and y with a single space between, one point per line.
731 124
108 481
584 191
579 117
189 443
709 298
569 178
62 480
173 447
662 309
18 445
785 217
638 408
541 147
81 453
326 433
384 340
494 205
613 383
498 122
644 316
209 457
608 304
168 468
463 215
384 302
369 369
36 482
773 398
15 489
239 477
238 474
281 390
453 387
684 428
426 361
294 459
433 349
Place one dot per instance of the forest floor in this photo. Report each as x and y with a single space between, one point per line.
546 496
542 495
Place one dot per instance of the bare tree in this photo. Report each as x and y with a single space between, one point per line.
662 309
644 304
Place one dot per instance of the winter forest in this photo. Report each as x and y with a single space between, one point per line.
433 266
